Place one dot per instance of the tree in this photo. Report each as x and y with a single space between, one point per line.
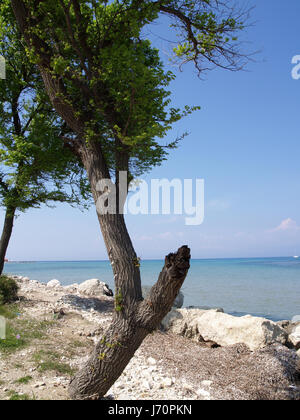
34 165
109 86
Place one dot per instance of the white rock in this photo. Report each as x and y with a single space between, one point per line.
224 329
298 353
206 383
187 387
294 337
53 283
94 287
146 385
71 288
202 393
151 361
295 319
206 308
167 382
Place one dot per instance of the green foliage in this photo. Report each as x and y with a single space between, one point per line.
207 32
101 356
35 167
111 80
119 301
8 290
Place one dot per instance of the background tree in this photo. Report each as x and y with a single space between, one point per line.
109 86
34 164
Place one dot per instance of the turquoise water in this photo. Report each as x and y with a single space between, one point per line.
267 287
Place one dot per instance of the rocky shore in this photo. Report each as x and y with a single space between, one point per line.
197 354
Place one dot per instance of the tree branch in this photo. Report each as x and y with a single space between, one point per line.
164 292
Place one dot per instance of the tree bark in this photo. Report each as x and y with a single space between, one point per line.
120 250
134 318
127 331
6 234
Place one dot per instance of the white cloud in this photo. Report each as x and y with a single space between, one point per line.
287 225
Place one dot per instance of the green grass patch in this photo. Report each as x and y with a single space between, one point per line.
14 396
48 360
25 380
21 332
77 344
9 311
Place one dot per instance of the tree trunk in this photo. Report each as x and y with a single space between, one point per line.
134 318
6 234
128 330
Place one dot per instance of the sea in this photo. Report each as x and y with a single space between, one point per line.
267 287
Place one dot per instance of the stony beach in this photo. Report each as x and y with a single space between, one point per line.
251 359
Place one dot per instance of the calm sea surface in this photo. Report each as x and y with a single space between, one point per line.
268 287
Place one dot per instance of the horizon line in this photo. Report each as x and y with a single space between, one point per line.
151 259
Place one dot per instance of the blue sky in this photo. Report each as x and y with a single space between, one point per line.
245 144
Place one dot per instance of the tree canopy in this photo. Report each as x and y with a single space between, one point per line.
34 164
108 82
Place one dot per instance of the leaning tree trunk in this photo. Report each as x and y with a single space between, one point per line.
6 234
128 330
134 318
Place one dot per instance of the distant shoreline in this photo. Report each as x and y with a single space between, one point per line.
152 259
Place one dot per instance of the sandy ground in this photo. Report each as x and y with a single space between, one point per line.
165 366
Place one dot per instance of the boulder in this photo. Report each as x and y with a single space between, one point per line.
53 283
94 287
71 288
206 308
294 336
284 324
296 319
224 329
178 302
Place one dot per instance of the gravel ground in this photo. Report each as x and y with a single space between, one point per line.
165 367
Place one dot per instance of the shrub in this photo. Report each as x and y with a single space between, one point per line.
8 290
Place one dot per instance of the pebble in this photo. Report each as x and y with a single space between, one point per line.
39 384
167 382
202 393
206 383
151 361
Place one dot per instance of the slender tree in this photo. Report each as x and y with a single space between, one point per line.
109 86
34 164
